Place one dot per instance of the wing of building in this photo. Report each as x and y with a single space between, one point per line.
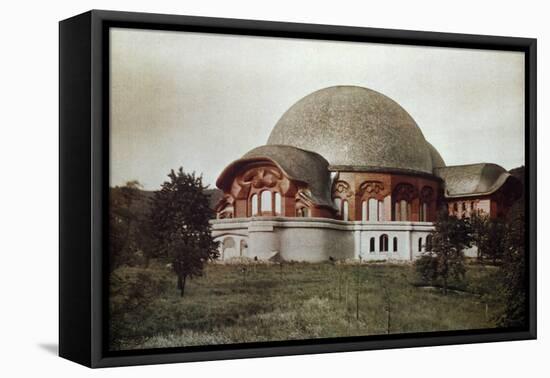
347 174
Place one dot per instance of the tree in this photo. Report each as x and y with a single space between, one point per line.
180 216
488 236
445 260
513 269
479 222
122 220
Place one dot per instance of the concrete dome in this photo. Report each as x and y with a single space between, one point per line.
355 128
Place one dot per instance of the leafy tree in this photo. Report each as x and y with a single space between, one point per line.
479 222
180 217
513 269
488 236
122 220
131 301
445 260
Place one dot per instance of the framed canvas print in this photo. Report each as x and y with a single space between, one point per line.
234 188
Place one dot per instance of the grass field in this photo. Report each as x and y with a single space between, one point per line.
239 303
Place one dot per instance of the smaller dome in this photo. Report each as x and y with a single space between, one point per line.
299 165
437 160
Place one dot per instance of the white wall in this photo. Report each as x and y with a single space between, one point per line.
319 239
28 155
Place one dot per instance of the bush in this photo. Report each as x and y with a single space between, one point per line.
426 269
132 293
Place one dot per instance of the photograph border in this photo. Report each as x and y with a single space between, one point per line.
84 183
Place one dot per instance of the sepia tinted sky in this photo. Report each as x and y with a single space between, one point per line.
203 100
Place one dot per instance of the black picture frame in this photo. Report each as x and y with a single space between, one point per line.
84 177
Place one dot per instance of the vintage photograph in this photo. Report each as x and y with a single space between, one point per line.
271 189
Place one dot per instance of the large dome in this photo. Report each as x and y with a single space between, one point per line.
355 128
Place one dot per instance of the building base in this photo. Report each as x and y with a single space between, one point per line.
319 239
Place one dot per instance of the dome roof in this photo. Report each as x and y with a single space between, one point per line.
475 179
297 164
437 160
355 128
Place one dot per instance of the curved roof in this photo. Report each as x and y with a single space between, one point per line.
354 127
298 165
437 160
473 179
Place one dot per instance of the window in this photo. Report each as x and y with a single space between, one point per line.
371 246
429 240
373 210
346 211
397 212
395 244
244 248
364 211
383 243
278 206
266 201
254 205
423 212
420 245
463 206
455 207
403 205
338 205
228 248
302 212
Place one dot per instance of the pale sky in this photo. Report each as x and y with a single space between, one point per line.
203 100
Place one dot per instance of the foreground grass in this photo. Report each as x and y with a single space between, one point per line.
251 303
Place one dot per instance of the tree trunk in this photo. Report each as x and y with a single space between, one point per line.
181 284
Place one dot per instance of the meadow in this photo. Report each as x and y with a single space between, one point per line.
253 302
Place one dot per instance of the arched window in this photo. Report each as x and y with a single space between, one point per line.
364 211
429 240
383 243
404 207
395 244
463 206
266 201
455 207
381 217
254 200
228 248
338 205
345 211
371 246
302 212
278 207
396 212
373 210
244 248
419 244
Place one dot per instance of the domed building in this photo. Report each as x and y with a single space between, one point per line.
347 174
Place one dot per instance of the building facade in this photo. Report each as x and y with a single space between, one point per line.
347 174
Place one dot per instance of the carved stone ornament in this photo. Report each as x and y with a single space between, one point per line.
343 189
261 177
405 192
371 187
426 194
